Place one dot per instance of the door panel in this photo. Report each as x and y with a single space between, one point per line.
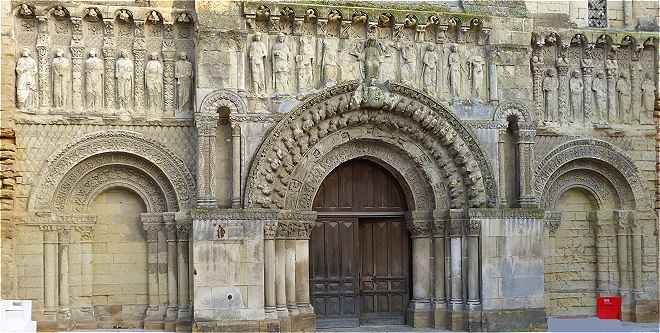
334 272
383 281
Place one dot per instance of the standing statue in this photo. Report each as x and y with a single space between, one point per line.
408 63
351 68
623 92
373 58
183 73
329 63
575 87
599 88
281 57
550 87
477 75
94 81
61 68
124 75
454 71
26 84
389 67
429 70
648 93
153 78
257 60
304 65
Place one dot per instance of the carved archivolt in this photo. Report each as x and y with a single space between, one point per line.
512 109
155 159
223 98
603 158
341 113
594 183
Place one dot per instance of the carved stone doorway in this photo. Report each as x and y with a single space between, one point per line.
360 248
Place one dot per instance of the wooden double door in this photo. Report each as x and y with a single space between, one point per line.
360 248
359 271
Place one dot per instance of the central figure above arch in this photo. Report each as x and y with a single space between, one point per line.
387 119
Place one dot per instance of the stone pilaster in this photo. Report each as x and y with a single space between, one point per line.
526 157
636 247
169 58
538 70
64 311
152 224
587 93
86 272
303 231
43 59
206 124
456 301
636 92
282 234
564 105
77 54
172 272
599 221
109 64
622 232
183 227
236 165
440 311
420 227
139 54
270 267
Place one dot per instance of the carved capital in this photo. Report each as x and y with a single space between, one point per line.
283 231
552 221
183 231
419 229
270 230
473 227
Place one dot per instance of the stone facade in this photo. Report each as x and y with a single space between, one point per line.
160 159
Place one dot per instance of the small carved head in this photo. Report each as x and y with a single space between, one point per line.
59 11
124 15
92 53
257 37
623 75
183 56
153 16
92 13
154 55
26 52
430 47
453 47
59 53
183 18
551 72
600 74
280 37
123 54
25 10
575 73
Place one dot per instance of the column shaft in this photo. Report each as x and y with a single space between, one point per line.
206 124
172 272
183 232
501 167
269 277
236 165
280 277
421 276
302 276
473 270
64 268
50 270
290 283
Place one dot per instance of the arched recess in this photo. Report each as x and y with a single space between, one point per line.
217 120
65 168
289 165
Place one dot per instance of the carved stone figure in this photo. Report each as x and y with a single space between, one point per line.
429 70
124 75
389 67
575 87
623 92
329 63
183 72
304 65
94 81
454 62
153 78
352 63
257 69
61 68
408 63
26 84
599 88
373 54
550 87
477 76
281 58
648 93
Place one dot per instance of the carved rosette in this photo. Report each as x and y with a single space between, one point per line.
109 64
43 59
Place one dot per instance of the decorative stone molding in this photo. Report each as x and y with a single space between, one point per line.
592 149
223 98
473 227
58 165
517 110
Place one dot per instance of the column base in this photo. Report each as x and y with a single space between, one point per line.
456 316
305 308
440 315
474 317
153 320
184 313
420 314
171 318
270 313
